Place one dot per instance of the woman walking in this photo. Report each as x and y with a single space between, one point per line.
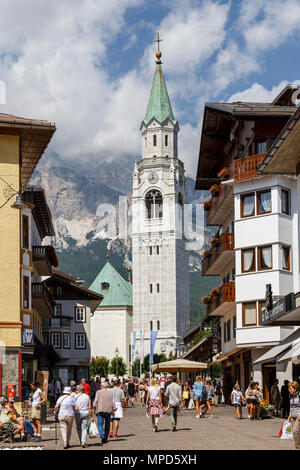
275 396
154 403
198 391
38 398
219 393
120 403
65 409
207 399
295 411
83 414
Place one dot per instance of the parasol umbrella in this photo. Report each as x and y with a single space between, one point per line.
179 365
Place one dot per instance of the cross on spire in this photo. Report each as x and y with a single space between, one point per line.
158 40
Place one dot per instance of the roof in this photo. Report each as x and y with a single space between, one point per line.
283 156
35 136
41 212
219 122
159 105
119 291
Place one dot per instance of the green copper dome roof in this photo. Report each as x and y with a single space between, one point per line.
119 291
159 106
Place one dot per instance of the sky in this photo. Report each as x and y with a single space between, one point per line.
88 65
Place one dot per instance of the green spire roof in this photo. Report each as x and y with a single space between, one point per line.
159 106
119 292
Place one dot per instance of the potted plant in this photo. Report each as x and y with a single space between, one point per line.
205 252
224 173
206 299
267 410
214 240
206 204
214 190
215 291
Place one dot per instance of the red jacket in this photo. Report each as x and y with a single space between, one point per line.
86 388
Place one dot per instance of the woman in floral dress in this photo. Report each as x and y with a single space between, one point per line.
154 404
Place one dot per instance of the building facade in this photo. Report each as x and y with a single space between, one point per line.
111 323
257 240
159 257
22 143
69 332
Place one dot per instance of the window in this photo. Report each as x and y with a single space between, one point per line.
154 141
248 260
157 287
57 310
224 331
247 205
151 288
285 257
158 325
154 205
25 232
166 140
260 146
150 250
45 338
151 325
59 291
285 201
56 340
66 341
234 326
228 330
80 314
264 202
104 285
80 341
249 314
25 292
157 250
264 257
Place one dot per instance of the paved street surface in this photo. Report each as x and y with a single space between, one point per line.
222 432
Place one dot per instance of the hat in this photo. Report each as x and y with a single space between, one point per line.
67 390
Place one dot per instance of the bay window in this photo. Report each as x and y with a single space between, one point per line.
247 205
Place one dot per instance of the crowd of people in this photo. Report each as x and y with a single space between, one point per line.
104 402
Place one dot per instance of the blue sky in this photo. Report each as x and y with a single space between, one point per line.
89 68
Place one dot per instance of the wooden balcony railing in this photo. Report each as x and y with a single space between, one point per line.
225 244
220 206
227 294
42 299
245 168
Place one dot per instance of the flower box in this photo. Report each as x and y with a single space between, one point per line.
206 205
224 173
206 299
214 190
215 291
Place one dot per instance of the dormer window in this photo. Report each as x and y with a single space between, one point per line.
104 285
154 141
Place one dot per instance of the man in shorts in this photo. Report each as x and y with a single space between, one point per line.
131 391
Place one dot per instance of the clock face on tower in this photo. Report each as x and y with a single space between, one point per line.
153 177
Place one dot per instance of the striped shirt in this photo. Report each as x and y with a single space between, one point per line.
295 405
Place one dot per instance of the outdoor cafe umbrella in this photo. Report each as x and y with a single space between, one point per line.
179 365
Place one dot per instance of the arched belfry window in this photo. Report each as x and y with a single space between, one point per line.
154 204
166 140
154 141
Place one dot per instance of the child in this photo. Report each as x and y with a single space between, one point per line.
236 400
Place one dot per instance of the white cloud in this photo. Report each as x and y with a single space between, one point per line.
258 93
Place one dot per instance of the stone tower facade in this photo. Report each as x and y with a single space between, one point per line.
159 258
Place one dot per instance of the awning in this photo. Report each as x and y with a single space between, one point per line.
179 365
293 353
286 344
225 356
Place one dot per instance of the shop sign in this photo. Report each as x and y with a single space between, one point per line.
27 336
279 308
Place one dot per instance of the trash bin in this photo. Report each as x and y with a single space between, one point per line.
43 413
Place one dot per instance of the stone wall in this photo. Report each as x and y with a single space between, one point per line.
10 371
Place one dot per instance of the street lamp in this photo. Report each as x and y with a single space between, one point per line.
117 355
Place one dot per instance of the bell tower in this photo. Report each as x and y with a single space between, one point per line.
159 258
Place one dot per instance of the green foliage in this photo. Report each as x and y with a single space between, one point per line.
99 366
146 366
216 370
199 336
121 369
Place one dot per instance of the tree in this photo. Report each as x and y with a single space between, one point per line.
99 366
199 336
121 369
156 359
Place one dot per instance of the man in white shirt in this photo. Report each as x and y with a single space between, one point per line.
174 393
83 414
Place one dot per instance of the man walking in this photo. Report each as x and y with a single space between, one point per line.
104 406
174 393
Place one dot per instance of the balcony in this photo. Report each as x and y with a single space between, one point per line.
221 206
58 322
43 259
219 256
246 168
42 300
222 303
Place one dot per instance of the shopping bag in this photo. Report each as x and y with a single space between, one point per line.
93 430
191 404
287 431
223 400
280 432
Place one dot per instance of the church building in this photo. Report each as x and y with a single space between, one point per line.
159 257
